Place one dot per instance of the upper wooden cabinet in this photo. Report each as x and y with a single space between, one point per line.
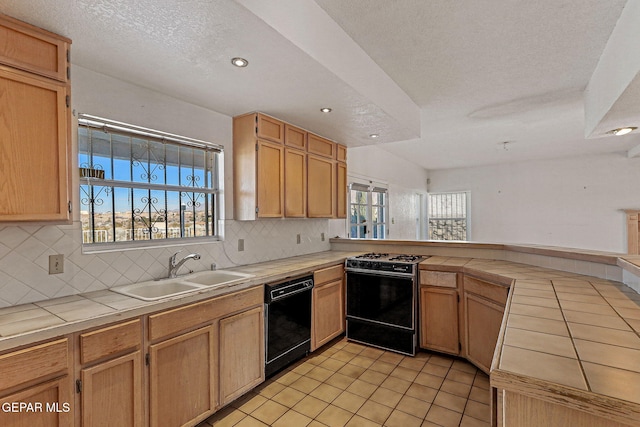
280 170
269 128
321 190
321 146
295 137
258 168
33 49
35 134
295 183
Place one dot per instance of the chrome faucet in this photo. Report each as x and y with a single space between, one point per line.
175 266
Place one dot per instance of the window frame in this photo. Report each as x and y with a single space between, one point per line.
467 213
212 170
368 224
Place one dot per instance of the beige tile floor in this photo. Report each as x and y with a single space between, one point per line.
347 384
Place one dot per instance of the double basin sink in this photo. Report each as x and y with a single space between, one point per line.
165 288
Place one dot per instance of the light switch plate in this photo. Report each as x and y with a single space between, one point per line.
322 237
56 264
298 239
240 245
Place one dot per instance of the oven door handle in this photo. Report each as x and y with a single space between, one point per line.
380 273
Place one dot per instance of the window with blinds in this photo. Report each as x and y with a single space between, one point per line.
449 216
368 211
137 184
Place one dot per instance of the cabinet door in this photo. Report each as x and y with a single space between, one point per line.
270 166
482 326
34 149
270 128
112 393
320 187
328 313
295 183
56 410
241 353
181 379
439 319
341 190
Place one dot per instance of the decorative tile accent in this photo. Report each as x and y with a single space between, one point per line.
25 250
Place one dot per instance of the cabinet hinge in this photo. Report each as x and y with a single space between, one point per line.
459 347
67 100
78 386
256 130
147 359
458 296
68 73
256 147
68 55
69 206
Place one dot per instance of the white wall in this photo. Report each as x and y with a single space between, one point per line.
405 180
573 202
25 248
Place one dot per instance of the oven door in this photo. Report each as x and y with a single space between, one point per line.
380 297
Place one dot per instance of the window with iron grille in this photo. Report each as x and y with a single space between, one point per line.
368 207
449 216
137 184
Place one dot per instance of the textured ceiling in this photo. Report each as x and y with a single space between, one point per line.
444 82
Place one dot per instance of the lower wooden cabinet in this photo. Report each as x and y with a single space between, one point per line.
241 348
111 392
484 304
110 379
327 305
55 405
182 378
40 376
439 319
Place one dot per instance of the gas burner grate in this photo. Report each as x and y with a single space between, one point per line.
406 258
372 255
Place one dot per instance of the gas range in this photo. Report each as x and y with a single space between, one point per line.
399 263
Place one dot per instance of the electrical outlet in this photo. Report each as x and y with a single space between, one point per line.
240 245
56 264
322 237
298 240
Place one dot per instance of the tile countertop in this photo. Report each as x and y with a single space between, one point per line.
30 323
567 338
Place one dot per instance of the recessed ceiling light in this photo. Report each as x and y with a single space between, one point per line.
325 110
623 131
374 135
239 62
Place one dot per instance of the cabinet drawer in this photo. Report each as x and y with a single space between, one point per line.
270 128
488 290
438 278
329 274
108 341
40 361
32 49
295 137
320 146
187 317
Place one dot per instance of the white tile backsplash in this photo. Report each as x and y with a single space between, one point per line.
25 250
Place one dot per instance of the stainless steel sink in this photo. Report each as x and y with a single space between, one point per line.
216 277
155 290
166 288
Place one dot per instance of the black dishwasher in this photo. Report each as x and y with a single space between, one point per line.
287 322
